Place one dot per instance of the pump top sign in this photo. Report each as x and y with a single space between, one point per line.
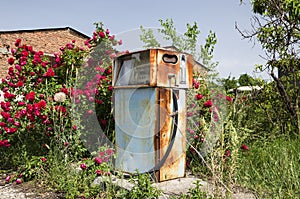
154 67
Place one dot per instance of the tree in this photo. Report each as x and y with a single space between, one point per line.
187 42
276 27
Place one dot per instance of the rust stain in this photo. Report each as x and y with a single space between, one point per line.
174 166
153 67
190 65
165 69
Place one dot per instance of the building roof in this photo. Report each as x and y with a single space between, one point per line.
46 29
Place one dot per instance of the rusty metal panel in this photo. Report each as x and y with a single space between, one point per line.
174 166
135 117
190 66
153 67
167 72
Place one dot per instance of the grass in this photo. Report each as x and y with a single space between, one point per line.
271 168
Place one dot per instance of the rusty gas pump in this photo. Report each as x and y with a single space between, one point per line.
150 111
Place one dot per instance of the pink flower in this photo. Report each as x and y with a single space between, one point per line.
196 84
23 112
83 166
19 181
189 114
98 160
18 67
90 112
17 124
208 103
227 153
43 159
7 179
10 120
5 89
244 147
101 153
99 172
41 96
109 152
10 130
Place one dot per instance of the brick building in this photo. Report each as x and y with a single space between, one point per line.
47 40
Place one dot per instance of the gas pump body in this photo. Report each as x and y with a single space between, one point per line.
150 111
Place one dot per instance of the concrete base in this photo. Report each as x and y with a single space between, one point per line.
176 187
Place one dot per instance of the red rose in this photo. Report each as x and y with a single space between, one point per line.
17 124
208 103
228 98
98 160
199 96
102 34
23 112
20 84
21 103
5 115
83 166
9 95
42 104
99 172
244 147
10 130
65 90
30 96
3 124
49 73
11 61
17 43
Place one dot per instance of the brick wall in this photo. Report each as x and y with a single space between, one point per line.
46 40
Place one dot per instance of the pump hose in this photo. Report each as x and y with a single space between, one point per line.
175 123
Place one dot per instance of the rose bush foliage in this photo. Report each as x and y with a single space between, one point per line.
42 94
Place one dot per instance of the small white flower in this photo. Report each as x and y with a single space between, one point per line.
60 97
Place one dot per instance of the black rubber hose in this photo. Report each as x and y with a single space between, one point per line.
175 123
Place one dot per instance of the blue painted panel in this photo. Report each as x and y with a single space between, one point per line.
135 118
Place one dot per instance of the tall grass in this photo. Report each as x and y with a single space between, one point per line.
272 168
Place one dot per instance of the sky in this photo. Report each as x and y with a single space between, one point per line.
235 55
